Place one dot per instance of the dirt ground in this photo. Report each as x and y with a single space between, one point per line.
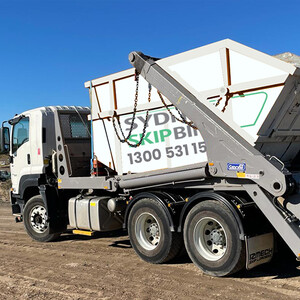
106 267
5 190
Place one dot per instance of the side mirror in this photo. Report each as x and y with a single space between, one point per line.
4 140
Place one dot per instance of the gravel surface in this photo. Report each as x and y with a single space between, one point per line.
106 267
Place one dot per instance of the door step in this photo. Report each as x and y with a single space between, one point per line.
83 232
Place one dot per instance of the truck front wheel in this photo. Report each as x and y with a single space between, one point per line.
212 239
36 220
150 233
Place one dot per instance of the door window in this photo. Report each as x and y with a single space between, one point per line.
20 134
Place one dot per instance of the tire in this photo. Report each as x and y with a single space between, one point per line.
36 220
150 233
211 237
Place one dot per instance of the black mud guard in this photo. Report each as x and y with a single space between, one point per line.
163 198
52 205
219 196
27 181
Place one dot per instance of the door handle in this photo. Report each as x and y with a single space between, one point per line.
28 159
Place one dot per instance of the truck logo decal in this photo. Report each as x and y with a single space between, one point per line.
260 255
236 167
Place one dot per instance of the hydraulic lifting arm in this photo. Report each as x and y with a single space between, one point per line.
225 146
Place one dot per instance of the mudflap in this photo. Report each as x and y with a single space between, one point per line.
259 250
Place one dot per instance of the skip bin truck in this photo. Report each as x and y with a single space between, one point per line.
197 150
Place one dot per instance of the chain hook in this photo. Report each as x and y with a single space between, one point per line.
136 75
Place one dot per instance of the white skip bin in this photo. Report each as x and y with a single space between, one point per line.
166 143
241 85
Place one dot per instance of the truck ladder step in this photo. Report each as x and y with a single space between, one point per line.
83 232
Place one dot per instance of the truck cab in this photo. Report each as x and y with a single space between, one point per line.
33 148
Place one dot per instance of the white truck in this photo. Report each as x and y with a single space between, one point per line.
199 150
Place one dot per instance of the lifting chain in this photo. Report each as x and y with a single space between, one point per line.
142 135
228 96
218 101
226 103
183 119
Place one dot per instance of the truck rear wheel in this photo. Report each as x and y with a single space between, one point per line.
211 237
150 233
36 220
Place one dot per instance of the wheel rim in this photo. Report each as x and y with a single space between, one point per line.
147 231
210 239
39 219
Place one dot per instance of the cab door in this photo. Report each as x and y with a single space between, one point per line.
20 152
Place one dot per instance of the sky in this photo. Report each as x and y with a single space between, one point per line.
49 48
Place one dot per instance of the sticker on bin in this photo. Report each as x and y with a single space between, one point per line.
236 167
